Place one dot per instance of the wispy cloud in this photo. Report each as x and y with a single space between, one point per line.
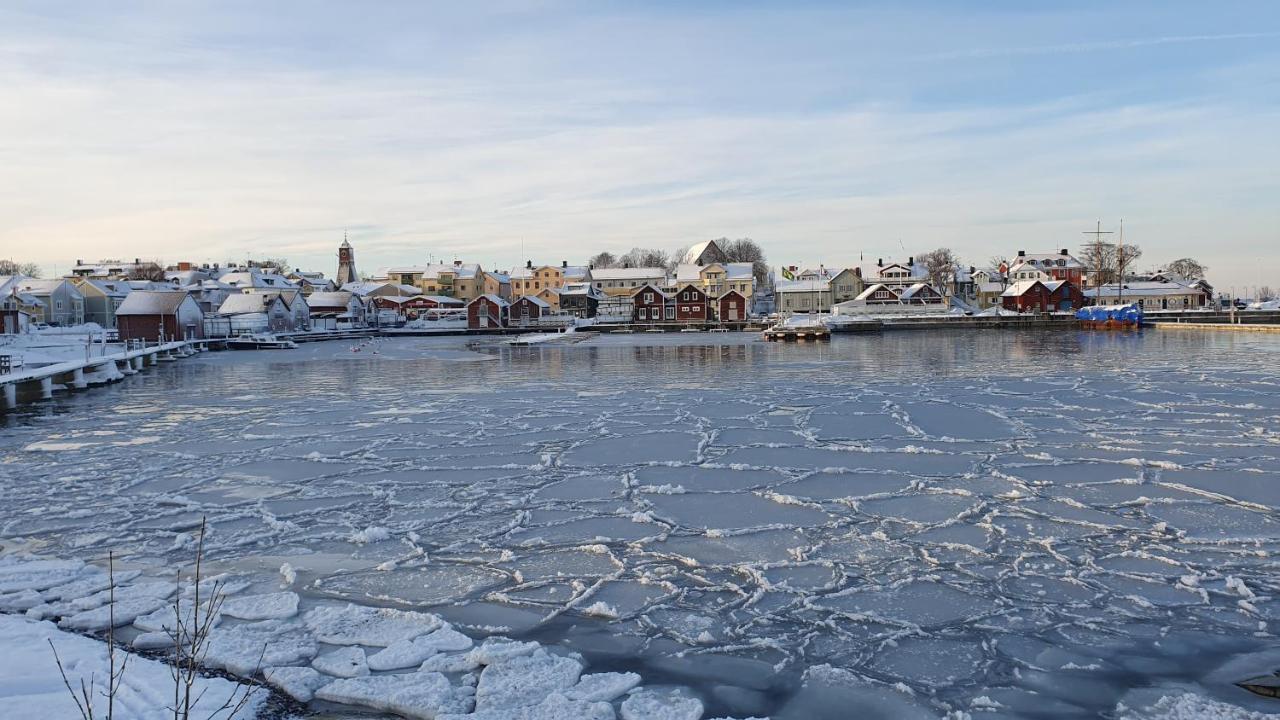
1097 46
501 146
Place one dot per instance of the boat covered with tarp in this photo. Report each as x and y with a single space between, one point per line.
1107 317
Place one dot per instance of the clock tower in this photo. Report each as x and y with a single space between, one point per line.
346 263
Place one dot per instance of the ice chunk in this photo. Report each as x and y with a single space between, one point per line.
647 705
152 641
603 687
449 663
272 606
407 653
122 612
161 590
376 627
20 601
299 683
347 662
88 584
553 707
163 619
1189 706
525 680
497 649
242 649
38 574
422 695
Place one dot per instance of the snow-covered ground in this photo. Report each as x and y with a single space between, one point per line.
923 523
32 687
55 345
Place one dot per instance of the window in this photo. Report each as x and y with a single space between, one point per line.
643 313
671 312
648 297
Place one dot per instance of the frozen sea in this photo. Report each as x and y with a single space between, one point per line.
1033 524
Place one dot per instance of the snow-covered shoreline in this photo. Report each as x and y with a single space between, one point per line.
409 663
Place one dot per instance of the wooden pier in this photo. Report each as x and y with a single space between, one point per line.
31 384
798 333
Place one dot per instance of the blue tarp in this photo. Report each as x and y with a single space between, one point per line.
1120 313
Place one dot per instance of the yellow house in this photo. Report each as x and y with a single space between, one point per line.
530 280
550 296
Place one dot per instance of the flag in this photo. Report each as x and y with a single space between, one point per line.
787 274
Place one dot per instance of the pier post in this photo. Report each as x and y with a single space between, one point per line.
77 379
46 388
9 396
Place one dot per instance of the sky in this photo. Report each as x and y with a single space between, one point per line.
521 130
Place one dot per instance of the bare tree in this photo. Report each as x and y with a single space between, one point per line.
940 268
746 250
11 267
279 263
1266 293
602 260
995 262
147 271
1187 268
1109 261
644 257
1126 256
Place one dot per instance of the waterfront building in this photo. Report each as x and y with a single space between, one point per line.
340 309
1152 295
1042 296
61 302
152 315
581 299
846 285
691 304
528 309
487 311
803 296
651 304
254 312
101 299
1047 266
731 307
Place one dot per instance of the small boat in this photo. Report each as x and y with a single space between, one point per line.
259 341
719 329
690 329
655 330
624 331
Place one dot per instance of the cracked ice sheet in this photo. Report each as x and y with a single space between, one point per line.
1009 487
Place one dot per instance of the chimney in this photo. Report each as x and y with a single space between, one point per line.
79 262
137 261
857 271
879 262
1064 252
1022 253
528 264
972 270
911 261
564 263
457 263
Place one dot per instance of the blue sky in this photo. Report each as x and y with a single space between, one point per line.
549 130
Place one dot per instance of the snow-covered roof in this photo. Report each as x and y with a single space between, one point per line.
1149 289
534 300
241 303
1050 259
641 273
917 289
790 286
336 299
439 299
500 277
1019 288
872 289
586 289
465 271
111 288
990 287
695 252
37 285
256 278
653 288
493 299
688 273
152 302
364 287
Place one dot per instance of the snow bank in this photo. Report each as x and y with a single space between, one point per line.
32 688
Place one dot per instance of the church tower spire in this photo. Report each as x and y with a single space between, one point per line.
346 263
